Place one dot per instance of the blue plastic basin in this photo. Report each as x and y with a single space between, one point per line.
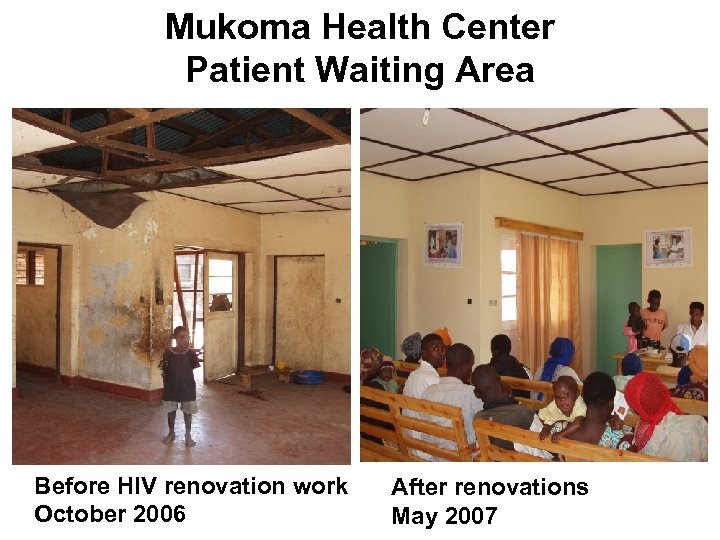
308 376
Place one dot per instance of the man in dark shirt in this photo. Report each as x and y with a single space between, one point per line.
499 405
505 363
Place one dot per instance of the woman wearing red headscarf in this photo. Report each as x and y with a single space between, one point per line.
663 430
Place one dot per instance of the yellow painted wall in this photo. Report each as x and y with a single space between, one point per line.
623 219
119 282
438 296
313 233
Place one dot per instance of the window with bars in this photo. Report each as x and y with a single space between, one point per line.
508 266
30 268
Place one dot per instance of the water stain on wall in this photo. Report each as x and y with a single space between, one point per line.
121 327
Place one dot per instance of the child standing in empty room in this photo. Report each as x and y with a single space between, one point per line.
177 367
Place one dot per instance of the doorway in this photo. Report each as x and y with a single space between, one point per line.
619 281
299 312
208 299
38 307
378 294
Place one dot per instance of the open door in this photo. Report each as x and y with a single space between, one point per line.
221 307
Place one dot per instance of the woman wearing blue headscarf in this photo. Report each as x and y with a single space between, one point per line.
557 365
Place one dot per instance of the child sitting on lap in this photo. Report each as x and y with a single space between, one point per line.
566 413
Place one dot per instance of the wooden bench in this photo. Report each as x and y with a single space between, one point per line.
384 430
570 450
246 374
687 406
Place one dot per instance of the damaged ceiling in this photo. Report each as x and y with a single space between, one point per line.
266 161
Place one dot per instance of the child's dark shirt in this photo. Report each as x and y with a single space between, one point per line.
179 381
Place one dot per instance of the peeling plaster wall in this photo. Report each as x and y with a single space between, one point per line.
313 233
61 225
35 317
118 283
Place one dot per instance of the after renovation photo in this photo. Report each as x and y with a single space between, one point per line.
181 292
534 284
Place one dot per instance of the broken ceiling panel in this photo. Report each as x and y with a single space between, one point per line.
127 151
105 209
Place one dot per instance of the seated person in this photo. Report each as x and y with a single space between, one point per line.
696 328
370 360
500 406
411 347
432 357
631 366
506 364
696 386
454 390
562 351
384 379
601 426
566 413
444 334
663 430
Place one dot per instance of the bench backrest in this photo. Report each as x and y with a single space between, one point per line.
571 450
403 369
440 424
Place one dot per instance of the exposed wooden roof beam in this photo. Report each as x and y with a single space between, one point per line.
230 131
182 127
268 153
132 123
139 113
46 124
319 123
151 153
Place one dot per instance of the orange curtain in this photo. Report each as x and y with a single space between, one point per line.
548 297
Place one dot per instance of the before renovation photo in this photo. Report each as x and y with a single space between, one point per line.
534 285
181 289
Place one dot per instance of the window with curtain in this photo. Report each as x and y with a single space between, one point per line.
548 296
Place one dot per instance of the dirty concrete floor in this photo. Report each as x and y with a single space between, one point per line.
293 424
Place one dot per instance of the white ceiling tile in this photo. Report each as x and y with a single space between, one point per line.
341 203
552 168
672 151
600 184
630 125
499 151
373 153
31 179
280 207
324 159
404 128
316 185
419 167
27 138
695 118
689 174
232 193
524 119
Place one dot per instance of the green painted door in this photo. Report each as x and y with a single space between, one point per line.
378 284
619 281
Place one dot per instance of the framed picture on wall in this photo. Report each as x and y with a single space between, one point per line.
668 248
443 244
